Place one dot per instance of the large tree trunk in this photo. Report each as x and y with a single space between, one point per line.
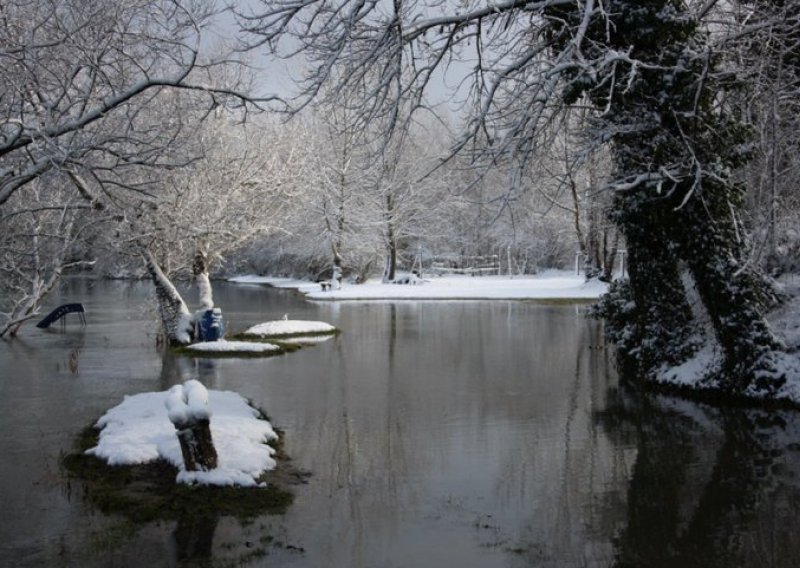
674 152
175 318
729 292
663 328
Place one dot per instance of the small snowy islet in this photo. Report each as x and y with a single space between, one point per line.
287 327
139 431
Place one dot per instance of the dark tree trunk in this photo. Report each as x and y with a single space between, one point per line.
390 265
663 328
197 446
729 291
610 255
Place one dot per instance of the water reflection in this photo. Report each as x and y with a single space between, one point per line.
177 369
470 434
194 540
710 487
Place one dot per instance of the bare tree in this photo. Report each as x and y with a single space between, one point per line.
763 40
405 197
37 244
102 95
77 75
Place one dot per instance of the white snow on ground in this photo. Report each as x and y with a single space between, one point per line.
289 327
788 365
552 284
232 347
139 431
693 371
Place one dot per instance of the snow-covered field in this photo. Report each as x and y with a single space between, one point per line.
550 285
139 430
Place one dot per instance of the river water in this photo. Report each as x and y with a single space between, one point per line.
437 434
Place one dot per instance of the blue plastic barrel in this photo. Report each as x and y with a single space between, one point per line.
211 326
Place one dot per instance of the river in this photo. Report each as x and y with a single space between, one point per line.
436 434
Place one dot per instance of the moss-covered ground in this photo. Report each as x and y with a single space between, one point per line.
149 492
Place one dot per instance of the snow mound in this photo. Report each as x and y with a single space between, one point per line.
139 430
282 328
187 402
232 347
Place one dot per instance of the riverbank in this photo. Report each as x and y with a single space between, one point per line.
549 285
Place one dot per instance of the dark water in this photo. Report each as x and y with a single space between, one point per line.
451 434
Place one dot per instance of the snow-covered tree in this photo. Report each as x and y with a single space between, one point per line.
654 84
762 39
235 192
406 197
92 97
38 242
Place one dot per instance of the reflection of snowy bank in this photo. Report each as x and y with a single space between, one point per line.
139 431
306 340
550 285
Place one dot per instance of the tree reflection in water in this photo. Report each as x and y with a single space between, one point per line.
710 486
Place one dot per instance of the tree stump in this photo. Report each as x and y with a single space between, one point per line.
187 408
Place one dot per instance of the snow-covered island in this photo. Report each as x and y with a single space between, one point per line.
548 285
139 431
265 339
287 328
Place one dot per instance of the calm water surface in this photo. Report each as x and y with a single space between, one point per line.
438 434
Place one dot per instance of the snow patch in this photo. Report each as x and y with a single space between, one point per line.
694 371
289 327
549 285
139 430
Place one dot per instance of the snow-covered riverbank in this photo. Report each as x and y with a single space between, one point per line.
550 285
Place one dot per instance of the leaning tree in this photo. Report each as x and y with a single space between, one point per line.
656 91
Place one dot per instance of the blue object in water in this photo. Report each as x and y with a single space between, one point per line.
60 312
211 327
